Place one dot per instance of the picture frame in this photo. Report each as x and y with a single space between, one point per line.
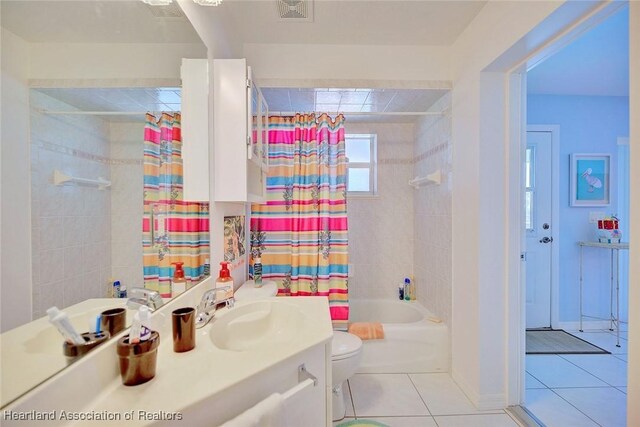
234 239
590 180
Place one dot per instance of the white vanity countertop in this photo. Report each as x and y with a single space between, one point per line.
36 347
184 379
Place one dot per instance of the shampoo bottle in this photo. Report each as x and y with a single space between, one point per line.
179 283
257 272
407 289
207 267
224 279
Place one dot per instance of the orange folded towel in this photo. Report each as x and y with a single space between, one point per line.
367 330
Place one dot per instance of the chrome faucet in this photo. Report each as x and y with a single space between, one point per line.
142 296
209 303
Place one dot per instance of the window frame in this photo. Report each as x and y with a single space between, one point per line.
372 165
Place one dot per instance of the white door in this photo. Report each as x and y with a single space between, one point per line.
538 168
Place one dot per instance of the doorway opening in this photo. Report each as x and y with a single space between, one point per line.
576 273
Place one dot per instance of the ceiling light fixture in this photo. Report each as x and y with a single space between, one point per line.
208 2
157 2
168 2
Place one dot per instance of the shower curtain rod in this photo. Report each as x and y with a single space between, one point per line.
364 113
103 113
281 113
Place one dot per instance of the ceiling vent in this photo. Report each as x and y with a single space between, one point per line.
295 10
171 10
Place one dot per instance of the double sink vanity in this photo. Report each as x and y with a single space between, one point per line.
244 354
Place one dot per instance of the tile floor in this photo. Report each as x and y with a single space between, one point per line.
580 389
416 400
561 391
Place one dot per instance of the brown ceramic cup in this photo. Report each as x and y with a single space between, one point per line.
91 340
114 320
183 321
138 361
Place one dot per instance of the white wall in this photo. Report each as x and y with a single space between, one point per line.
480 287
108 61
127 209
214 26
71 225
633 375
381 237
349 62
432 212
15 287
588 124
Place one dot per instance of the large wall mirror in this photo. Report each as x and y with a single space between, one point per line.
89 164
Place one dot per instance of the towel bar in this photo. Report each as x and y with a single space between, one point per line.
305 379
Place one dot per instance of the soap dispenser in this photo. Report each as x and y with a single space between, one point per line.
225 279
178 283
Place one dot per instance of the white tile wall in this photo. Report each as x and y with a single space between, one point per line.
381 228
71 224
127 202
432 212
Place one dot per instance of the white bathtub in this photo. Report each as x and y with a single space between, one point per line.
412 343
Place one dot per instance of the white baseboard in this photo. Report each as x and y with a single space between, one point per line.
586 325
484 402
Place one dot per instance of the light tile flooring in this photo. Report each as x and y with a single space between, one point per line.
580 389
569 390
416 400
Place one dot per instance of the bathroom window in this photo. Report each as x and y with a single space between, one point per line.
529 180
362 164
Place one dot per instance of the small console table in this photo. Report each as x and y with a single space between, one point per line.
613 247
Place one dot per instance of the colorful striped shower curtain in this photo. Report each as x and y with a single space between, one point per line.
173 230
301 231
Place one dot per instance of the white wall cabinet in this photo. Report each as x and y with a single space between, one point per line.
195 129
241 137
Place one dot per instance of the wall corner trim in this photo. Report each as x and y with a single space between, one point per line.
483 402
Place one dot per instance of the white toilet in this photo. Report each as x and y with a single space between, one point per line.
346 349
346 353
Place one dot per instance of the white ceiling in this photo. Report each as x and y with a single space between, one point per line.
96 21
372 22
595 64
353 100
119 100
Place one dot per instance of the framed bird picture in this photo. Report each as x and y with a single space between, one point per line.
590 180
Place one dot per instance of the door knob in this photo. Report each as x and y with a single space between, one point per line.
546 240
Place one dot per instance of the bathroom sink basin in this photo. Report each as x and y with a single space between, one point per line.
257 325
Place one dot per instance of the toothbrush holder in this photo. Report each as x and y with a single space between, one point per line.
138 361
114 320
91 340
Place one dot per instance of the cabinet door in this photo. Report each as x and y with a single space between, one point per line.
195 128
258 125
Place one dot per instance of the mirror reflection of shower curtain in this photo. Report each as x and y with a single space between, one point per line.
174 230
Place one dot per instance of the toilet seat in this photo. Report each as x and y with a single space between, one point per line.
344 345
